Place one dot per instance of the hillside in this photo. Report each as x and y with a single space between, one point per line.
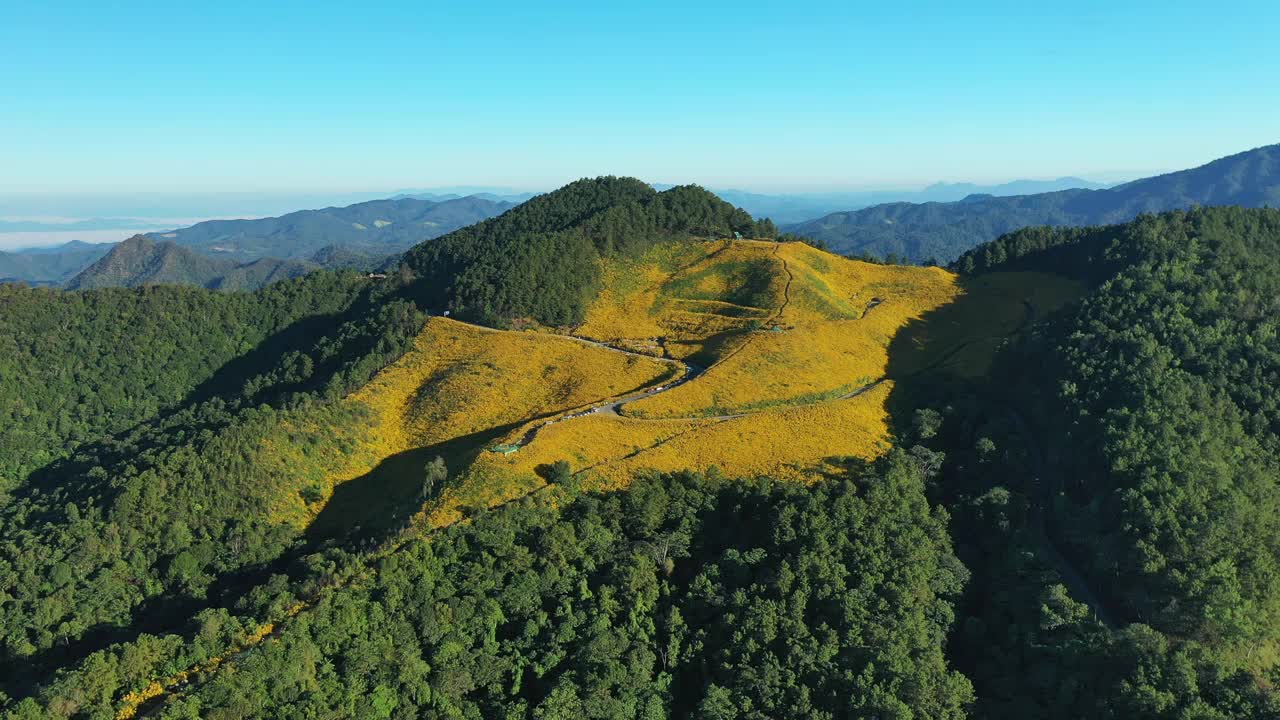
942 231
541 260
377 227
139 261
717 477
49 266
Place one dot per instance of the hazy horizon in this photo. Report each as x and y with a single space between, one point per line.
828 96
173 210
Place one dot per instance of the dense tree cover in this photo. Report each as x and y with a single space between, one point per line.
685 596
77 367
1091 254
1167 422
1112 488
1024 634
131 497
1114 483
163 511
539 260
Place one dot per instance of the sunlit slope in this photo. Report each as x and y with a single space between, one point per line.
776 324
459 380
688 300
785 442
463 378
798 375
792 354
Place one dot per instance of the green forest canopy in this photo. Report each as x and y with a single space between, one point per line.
136 541
540 259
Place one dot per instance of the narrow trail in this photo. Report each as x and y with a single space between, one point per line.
772 319
690 372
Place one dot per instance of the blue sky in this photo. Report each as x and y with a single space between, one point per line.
316 96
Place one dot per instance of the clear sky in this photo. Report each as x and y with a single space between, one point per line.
271 96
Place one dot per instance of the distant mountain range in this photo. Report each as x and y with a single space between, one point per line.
245 254
790 208
141 261
376 227
51 265
956 217
515 198
944 230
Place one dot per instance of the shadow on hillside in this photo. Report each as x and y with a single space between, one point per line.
301 336
228 380
927 344
716 347
952 347
89 478
963 343
74 478
384 500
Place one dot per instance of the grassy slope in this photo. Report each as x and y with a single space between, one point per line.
802 349
797 351
447 397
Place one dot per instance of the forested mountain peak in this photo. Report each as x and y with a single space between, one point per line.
540 259
140 260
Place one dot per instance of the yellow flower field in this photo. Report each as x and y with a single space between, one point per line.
797 351
790 443
828 336
461 378
686 300
787 443
458 380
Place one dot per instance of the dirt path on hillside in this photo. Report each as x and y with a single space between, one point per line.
690 371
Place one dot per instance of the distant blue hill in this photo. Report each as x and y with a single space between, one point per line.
786 208
375 227
944 230
50 265
244 254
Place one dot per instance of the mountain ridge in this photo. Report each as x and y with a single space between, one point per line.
382 226
52 266
141 261
942 231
